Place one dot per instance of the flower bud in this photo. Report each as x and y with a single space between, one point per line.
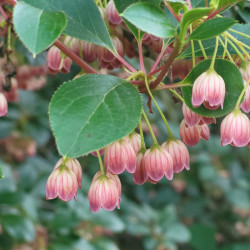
104 192
54 60
120 156
74 166
191 135
112 14
245 105
3 105
134 140
62 183
235 129
140 175
179 154
158 162
209 89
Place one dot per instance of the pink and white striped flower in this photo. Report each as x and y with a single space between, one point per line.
245 71
54 60
235 129
179 154
209 90
74 166
104 192
62 183
191 135
134 140
245 105
112 14
119 156
193 118
140 175
158 162
3 105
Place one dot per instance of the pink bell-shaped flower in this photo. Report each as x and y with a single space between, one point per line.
245 71
119 156
235 129
209 89
74 166
66 65
112 14
89 51
105 192
134 140
158 162
3 105
62 183
191 135
54 60
193 119
179 154
140 175
245 105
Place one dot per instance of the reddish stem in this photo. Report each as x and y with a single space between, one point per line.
5 16
157 61
172 11
12 2
138 82
166 67
68 52
141 53
126 64
215 13
155 71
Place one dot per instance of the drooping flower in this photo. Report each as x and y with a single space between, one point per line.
62 183
3 105
179 154
134 140
119 156
158 162
140 175
112 14
54 60
245 71
209 89
105 192
191 135
193 118
235 129
245 105
74 166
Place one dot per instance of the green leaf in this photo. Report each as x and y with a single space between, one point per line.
211 28
178 233
32 26
90 112
210 43
21 229
233 81
203 237
84 20
193 15
221 4
1 173
149 18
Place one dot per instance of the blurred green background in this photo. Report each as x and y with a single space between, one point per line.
205 208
